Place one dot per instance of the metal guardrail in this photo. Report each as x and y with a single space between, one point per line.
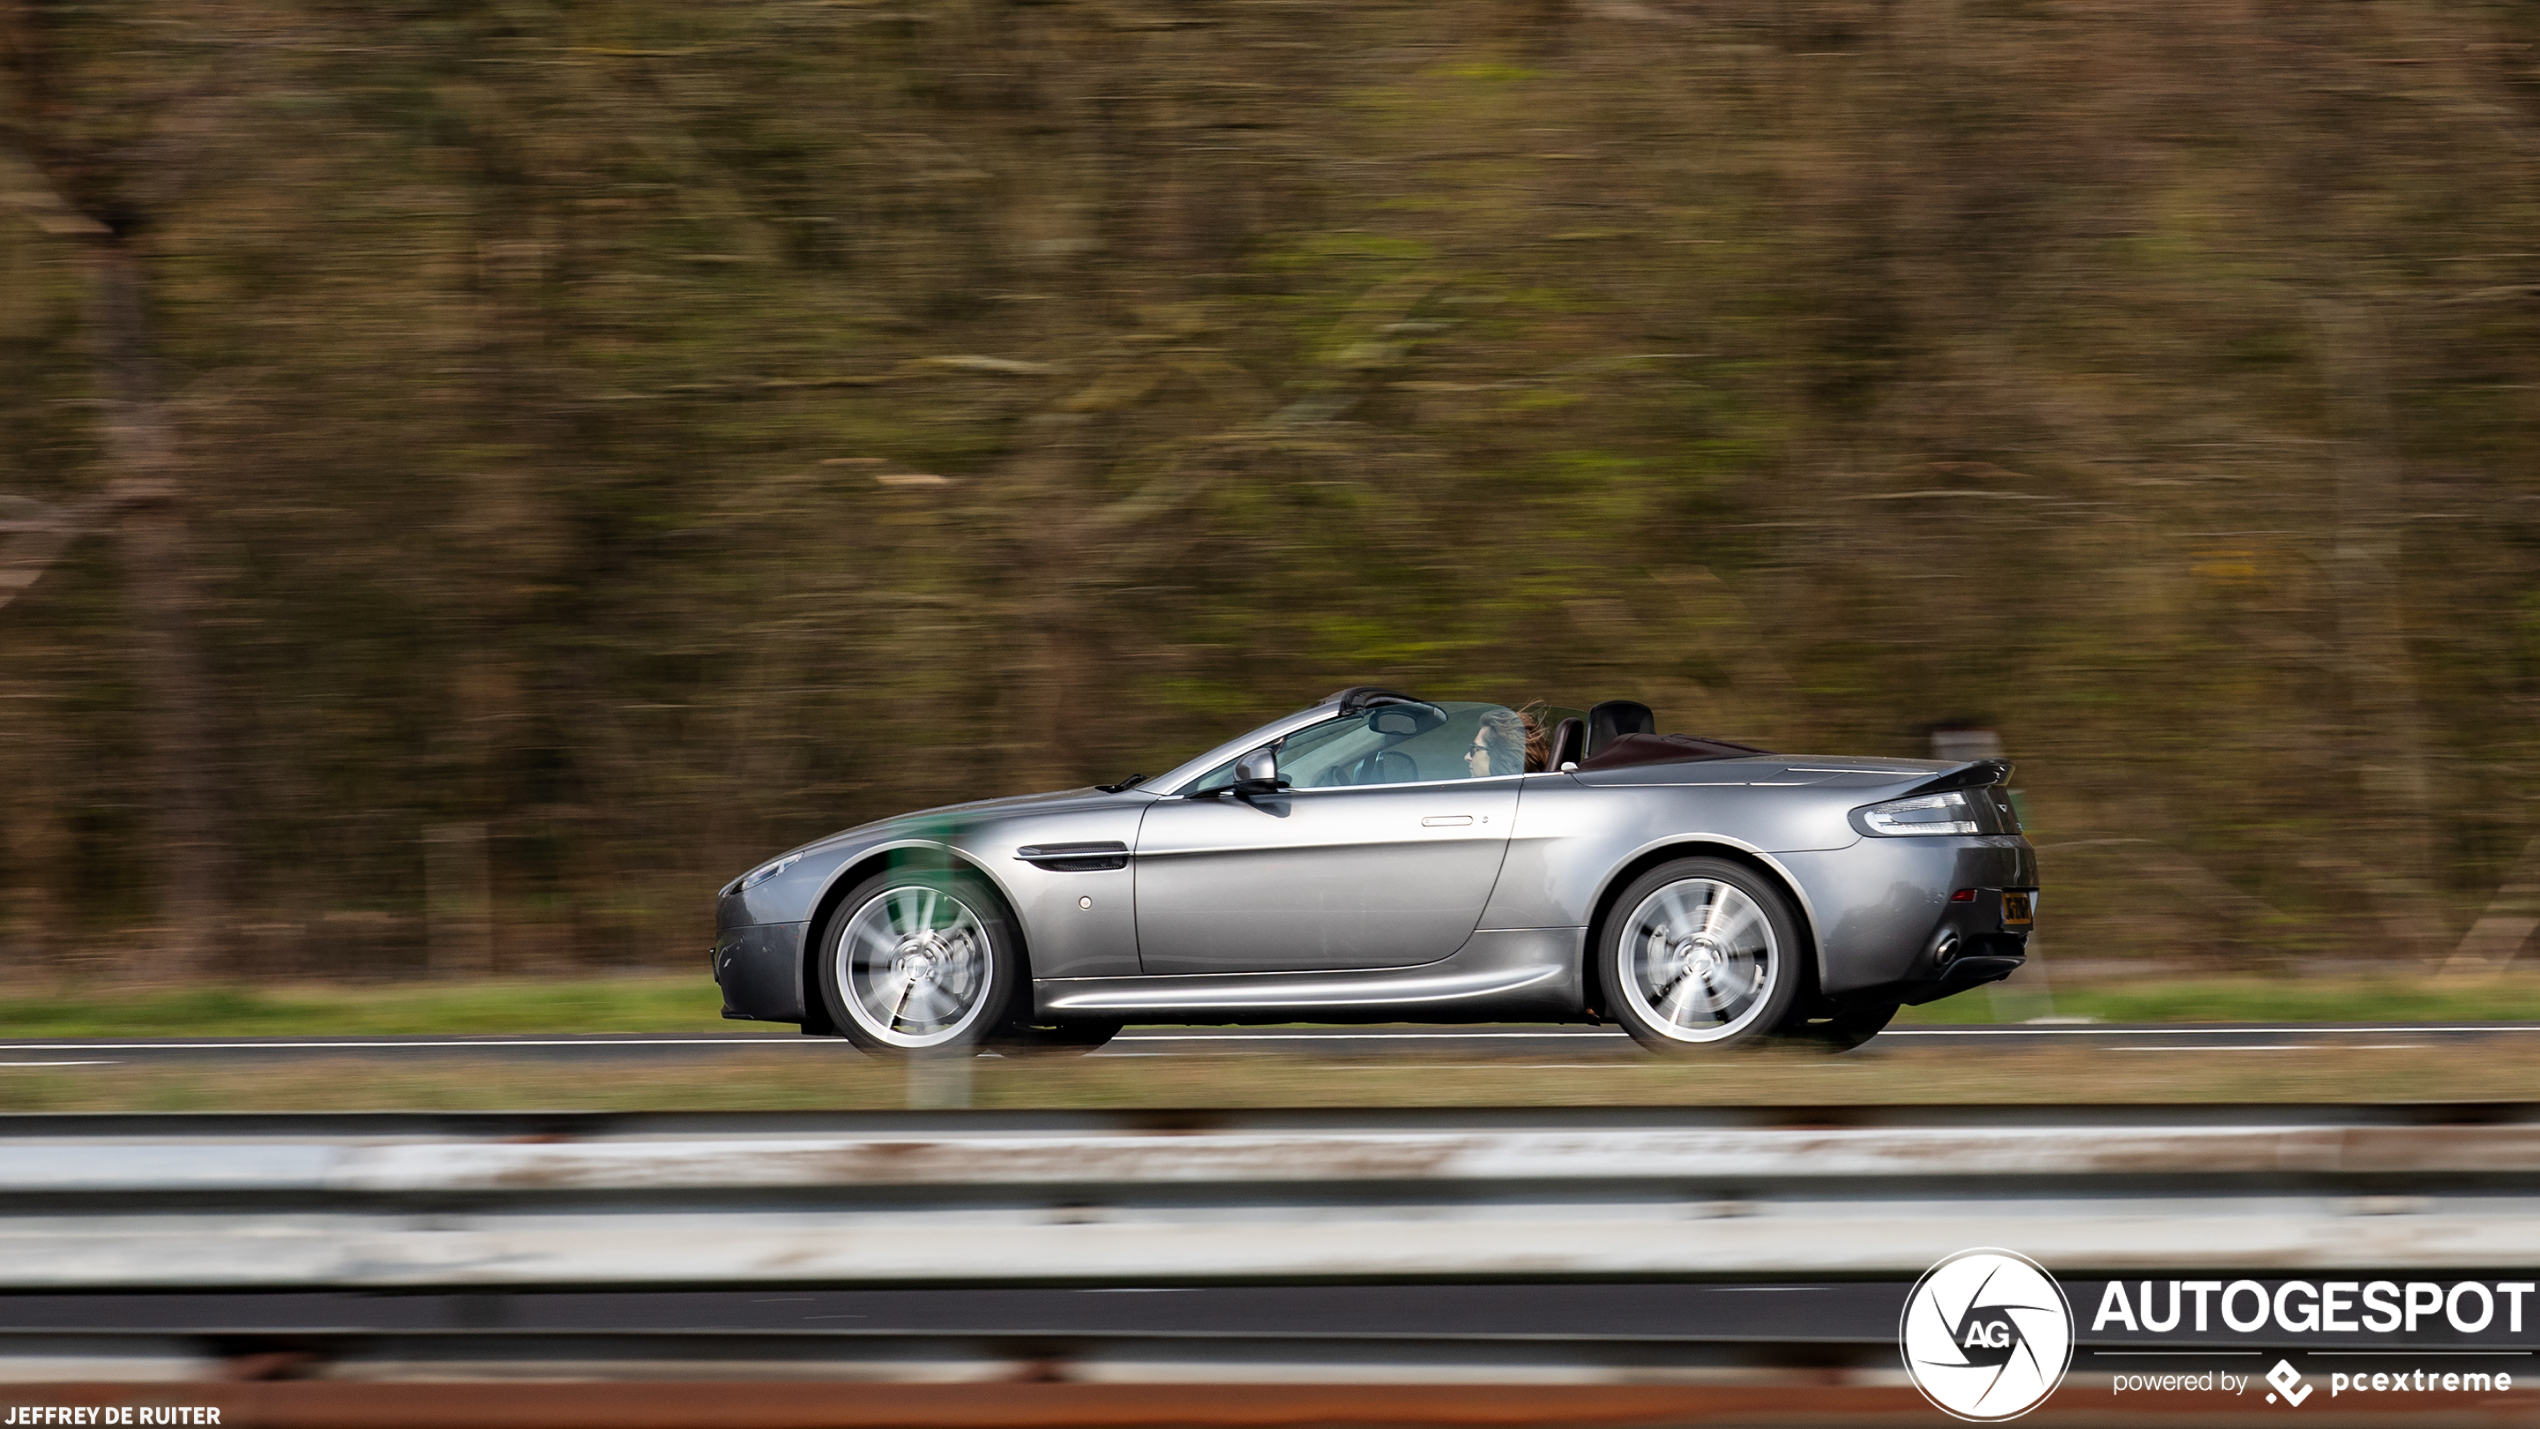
1793 1401
93 1203
1622 1266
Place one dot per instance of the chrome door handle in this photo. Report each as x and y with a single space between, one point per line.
1446 821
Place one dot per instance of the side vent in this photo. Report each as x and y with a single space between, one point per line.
1075 858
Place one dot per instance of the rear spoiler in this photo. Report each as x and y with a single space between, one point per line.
1973 776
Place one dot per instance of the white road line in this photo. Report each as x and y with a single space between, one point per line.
462 1044
2007 1031
99 1063
604 1041
413 1046
1356 1036
2244 1047
2286 1047
2194 1030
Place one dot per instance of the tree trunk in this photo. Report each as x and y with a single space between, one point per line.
185 845
2388 737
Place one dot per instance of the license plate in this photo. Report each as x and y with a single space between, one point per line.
2016 907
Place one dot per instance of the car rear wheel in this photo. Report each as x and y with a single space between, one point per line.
920 961
1700 953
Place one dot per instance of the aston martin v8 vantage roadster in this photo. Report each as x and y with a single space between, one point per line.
1378 857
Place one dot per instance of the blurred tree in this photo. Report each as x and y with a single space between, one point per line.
558 455
87 126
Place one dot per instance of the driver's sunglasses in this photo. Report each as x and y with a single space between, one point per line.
1477 747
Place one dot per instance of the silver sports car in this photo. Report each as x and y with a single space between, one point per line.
1378 857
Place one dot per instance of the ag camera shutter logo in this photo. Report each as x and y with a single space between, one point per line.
1987 1335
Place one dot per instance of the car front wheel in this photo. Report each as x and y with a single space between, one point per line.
1700 952
920 961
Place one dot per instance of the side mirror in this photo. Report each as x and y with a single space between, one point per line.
1257 773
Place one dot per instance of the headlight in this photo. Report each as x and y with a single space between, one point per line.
764 872
1948 813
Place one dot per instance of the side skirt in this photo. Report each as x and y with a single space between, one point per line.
1517 974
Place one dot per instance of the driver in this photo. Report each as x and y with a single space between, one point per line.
1508 742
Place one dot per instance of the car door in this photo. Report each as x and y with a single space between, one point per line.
1314 879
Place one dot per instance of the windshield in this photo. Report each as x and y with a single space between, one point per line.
1396 744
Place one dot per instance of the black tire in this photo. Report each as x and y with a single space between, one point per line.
1064 1039
921 962
1842 1031
1700 954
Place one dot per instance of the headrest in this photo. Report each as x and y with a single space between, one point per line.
1568 744
1612 719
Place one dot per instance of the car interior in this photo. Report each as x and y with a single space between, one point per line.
1612 734
1417 741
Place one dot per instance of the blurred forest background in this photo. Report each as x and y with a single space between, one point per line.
475 476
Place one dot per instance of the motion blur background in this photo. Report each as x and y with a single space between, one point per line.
473 477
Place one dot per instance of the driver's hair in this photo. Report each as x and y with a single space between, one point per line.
1514 742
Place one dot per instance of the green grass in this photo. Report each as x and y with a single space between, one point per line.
832 1075
827 1075
687 1003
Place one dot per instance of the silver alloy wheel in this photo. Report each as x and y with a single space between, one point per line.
915 965
1698 959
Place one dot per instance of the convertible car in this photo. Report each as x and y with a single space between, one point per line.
1377 857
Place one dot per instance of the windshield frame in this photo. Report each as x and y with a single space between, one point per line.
1177 781
1184 779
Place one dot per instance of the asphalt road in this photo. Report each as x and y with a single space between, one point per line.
1516 1043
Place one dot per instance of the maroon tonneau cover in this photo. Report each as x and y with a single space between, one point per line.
1630 749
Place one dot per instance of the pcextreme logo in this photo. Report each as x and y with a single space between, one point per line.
2284 1377
1986 1335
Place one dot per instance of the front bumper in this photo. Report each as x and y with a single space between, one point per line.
760 970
